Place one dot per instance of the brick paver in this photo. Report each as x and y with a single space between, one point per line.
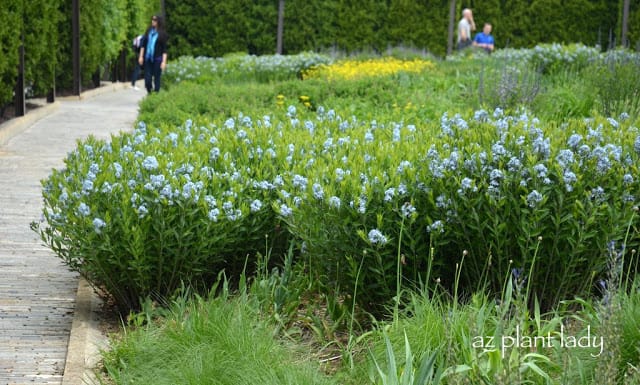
37 292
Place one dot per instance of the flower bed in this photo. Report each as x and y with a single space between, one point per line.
150 210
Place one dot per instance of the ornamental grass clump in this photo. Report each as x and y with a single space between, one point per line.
615 77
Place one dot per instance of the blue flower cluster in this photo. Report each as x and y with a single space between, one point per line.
269 66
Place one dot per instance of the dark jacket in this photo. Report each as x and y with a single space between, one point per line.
161 44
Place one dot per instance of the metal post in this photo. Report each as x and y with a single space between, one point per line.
452 21
280 27
21 106
20 103
51 96
75 45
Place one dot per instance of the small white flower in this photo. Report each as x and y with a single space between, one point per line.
84 210
318 192
376 237
142 211
408 210
98 225
256 205
213 215
150 163
534 198
389 194
436 227
285 210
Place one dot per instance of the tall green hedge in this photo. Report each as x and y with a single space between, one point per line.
199 27
106 28
206 28
8 50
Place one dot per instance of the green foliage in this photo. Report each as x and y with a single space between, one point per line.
510 86
424 373
630 329
201 28
221 340
615 77
490 185
106 28
41 24
233 68
9 49
137 224
435 339
509 340
403 17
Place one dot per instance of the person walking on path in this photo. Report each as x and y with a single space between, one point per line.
136 67
484 39
153 53
465 26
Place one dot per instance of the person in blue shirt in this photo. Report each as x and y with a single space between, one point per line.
484 39
153 53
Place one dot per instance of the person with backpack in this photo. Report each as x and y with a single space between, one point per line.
136 67
153 53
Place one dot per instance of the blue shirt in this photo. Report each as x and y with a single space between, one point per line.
481 38
151 44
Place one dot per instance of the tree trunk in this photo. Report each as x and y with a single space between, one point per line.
625 24
452 21
75 45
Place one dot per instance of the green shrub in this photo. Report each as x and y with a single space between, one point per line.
348 179
383 192
221 340
150 210
241 67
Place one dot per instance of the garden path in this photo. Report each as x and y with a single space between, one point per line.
37 292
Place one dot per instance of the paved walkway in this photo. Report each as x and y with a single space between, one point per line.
37 293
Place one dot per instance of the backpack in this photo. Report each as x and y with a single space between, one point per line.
136 43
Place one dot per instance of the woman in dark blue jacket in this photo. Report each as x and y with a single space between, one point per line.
153 53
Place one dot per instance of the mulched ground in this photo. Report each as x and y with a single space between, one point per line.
8 112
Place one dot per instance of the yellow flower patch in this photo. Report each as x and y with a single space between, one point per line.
355 69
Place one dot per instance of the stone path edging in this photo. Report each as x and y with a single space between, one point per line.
85 340
49 329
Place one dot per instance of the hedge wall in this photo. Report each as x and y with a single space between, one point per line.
106 28
207 28
8 51
199 27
